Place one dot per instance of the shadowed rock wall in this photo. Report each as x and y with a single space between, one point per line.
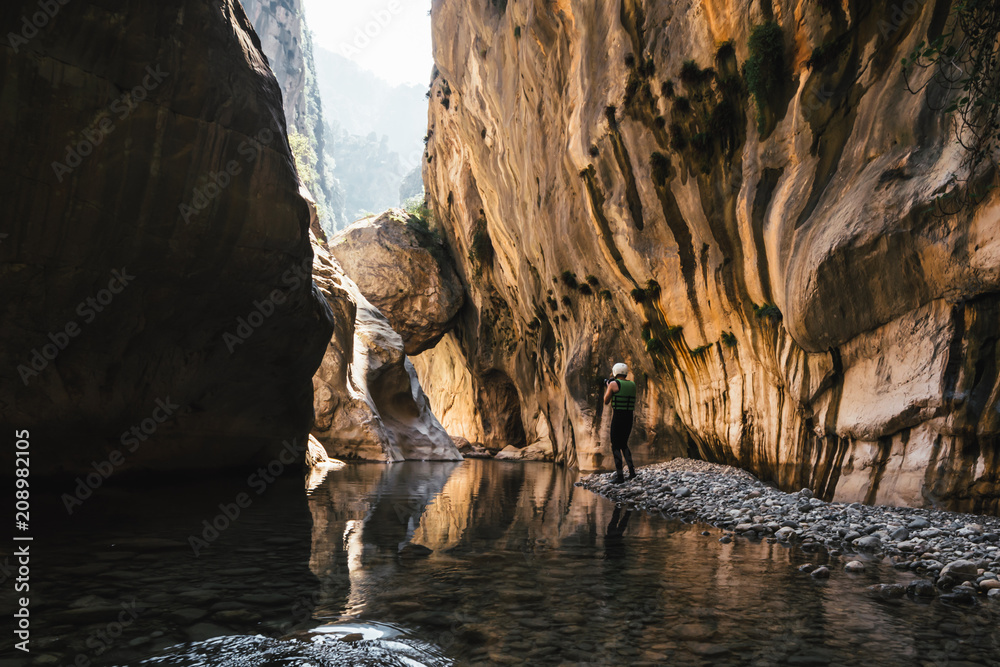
155 259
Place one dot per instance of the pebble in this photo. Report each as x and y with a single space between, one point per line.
855 566
945 548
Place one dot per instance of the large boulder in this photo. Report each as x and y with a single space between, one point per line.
401 267
368 401
155 258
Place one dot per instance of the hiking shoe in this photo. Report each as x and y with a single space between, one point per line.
631 473
618 479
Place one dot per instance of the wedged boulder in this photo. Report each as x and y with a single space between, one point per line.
368 401
402 268
154 255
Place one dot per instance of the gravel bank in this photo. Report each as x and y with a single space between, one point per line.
958 555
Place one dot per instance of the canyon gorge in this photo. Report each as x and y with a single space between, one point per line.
277 434
604 183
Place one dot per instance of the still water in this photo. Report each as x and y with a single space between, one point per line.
479 562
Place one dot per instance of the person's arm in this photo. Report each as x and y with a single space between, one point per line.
612 389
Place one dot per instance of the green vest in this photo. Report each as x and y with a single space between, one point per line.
624 398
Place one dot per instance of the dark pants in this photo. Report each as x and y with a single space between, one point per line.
621 427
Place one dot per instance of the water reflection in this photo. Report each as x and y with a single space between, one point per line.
507 563
479 562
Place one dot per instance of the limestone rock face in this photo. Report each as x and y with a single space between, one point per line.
444 375
155 256
368 400
785 290
401 268
280 28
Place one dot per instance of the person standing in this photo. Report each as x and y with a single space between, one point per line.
620 393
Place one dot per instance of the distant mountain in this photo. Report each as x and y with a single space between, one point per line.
360 103
374 135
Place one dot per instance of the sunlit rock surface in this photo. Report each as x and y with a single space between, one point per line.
403 270
448 384
368 400
151 213
813 316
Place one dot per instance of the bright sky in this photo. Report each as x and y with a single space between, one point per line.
391 38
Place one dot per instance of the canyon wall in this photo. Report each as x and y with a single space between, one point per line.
367 400
772 266
287 43
155 261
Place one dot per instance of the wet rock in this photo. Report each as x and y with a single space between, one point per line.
822 572
921 588
960 570
900 534
887 591
961 596
919 523
854 566
868 543
784 533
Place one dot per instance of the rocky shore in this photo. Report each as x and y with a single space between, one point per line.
956 556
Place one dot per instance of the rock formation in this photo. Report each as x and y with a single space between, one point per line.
764 250
402 269
368 400
287 43
158 308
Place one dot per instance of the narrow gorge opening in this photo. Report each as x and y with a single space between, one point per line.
500 332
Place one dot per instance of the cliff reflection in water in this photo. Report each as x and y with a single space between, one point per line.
503 562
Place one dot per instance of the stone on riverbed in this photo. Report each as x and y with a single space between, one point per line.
960 570
921 588
854 566
887 591
868 543
745 508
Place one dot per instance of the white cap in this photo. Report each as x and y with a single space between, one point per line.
619 369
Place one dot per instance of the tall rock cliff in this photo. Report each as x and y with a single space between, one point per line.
367 399
759 243
158 306
287 42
